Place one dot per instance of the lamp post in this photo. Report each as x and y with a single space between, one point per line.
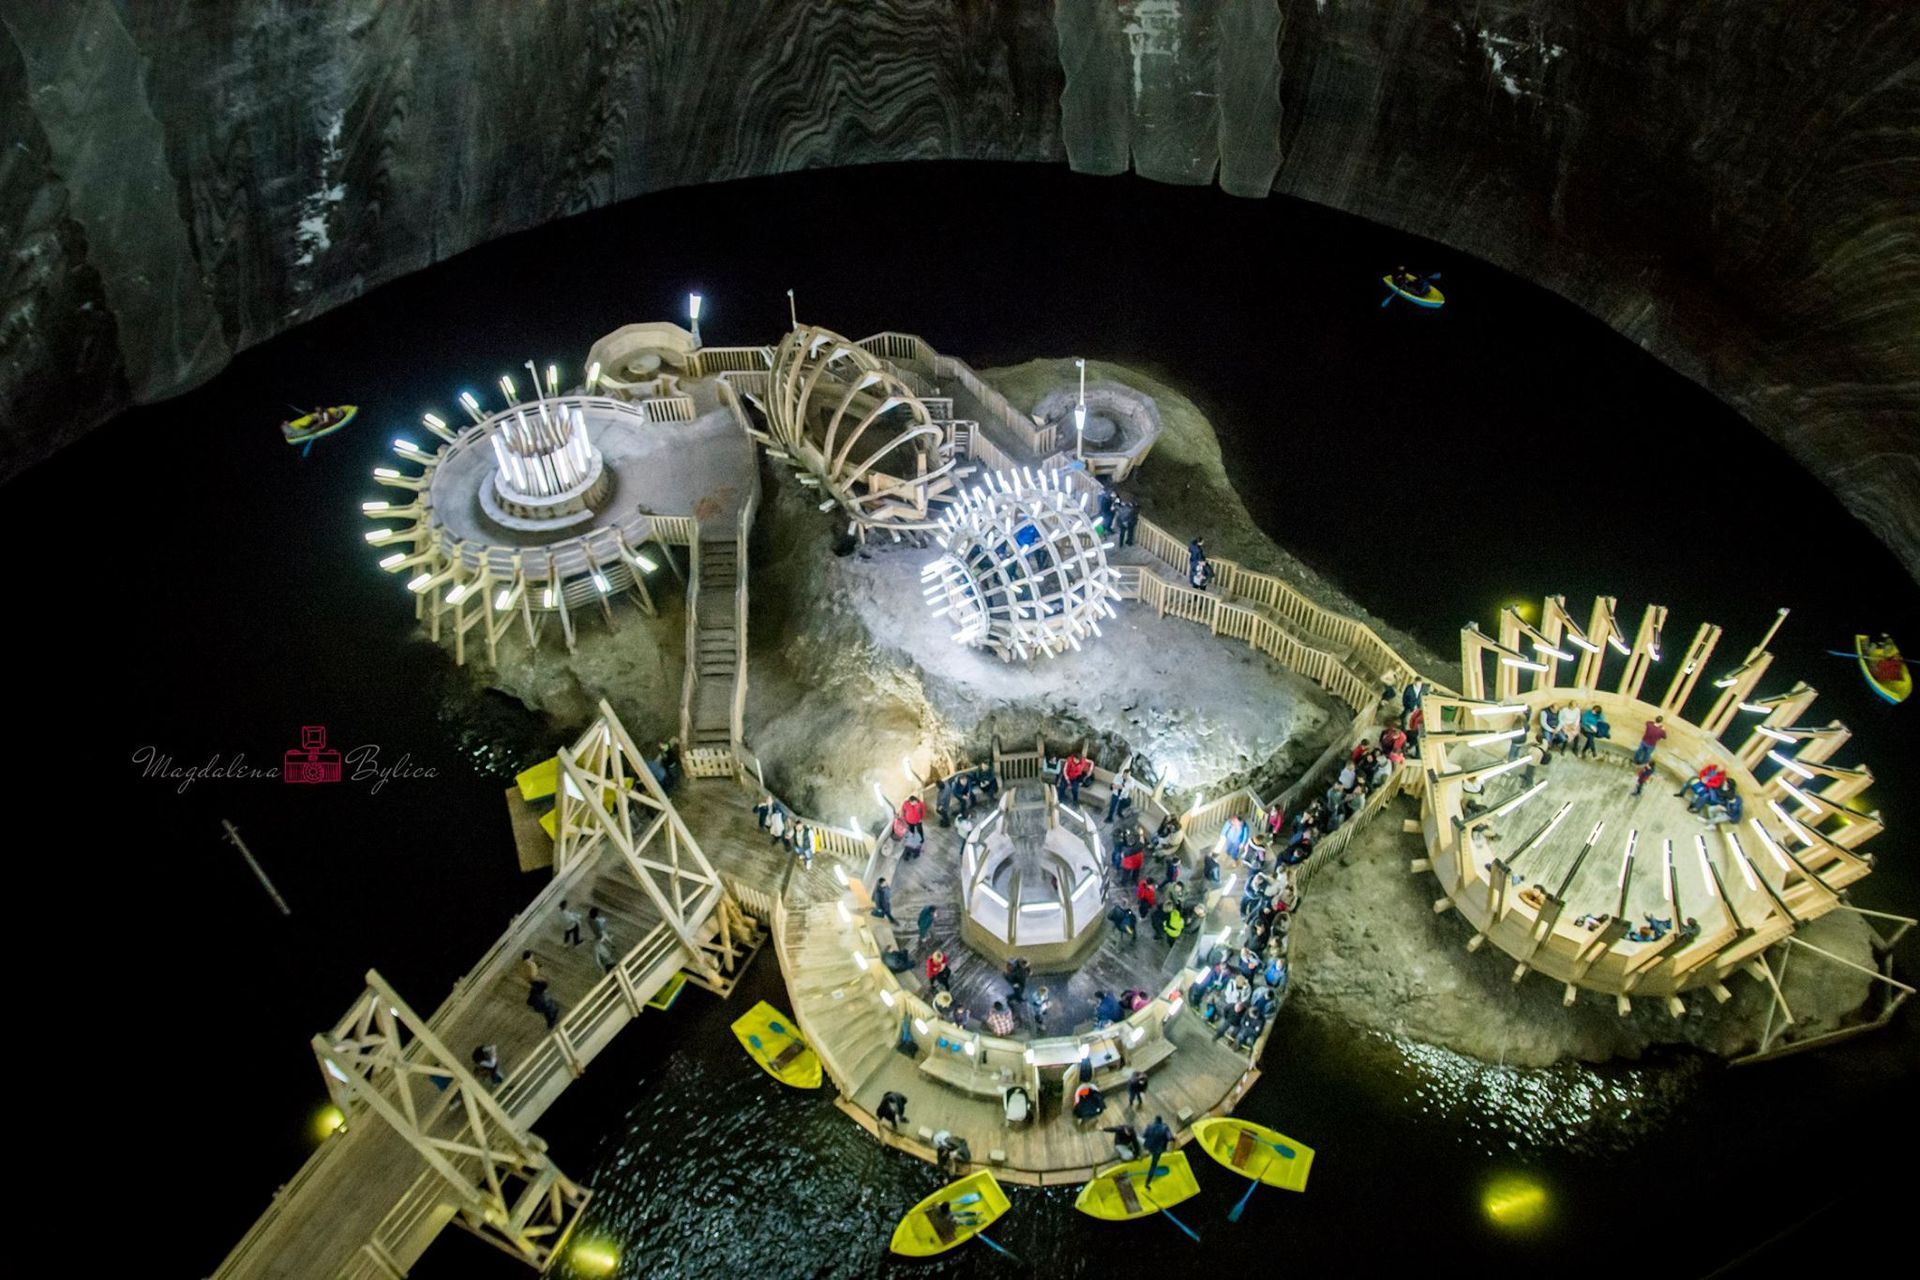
1080 415
693 314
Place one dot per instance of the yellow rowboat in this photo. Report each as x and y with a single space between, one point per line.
310 427
1255 1151
1431 299
770 1040
1121 1193
953 1215
1886 672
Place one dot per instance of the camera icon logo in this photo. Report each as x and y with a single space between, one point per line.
312 761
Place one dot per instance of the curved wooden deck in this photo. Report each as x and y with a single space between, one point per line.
1595 862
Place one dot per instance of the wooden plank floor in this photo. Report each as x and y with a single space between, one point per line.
1601 791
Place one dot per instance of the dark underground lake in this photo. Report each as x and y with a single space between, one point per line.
1434 466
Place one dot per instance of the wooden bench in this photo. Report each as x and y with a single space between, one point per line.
969 1080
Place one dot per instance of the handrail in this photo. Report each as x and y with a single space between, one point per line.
1288 602
692 679
738 736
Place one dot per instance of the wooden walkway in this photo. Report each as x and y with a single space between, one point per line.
366 1200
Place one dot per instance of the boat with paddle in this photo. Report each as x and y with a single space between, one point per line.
956 1213
1886 671
308 427
1121 1194
1255 1152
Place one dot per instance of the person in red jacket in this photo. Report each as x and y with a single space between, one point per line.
938 975
1145 897
1131 863
913 811
1076 770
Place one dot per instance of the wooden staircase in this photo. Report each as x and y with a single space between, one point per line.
834 998
716 656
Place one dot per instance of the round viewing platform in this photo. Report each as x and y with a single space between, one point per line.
860 1014
1557 862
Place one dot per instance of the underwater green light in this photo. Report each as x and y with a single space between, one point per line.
1515 1201
594 1258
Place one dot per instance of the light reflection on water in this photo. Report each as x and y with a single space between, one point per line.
1573 1107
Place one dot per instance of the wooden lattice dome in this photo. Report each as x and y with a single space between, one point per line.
1025 572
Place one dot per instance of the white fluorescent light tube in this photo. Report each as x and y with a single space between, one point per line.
1755 707
1503 810
1549 650
1740 859
1803 797
1620 646
1483 739
1775 734
1786 867
1706 866
1583 642
1039 906
1626 859
1786 763
1523 664
1666 869
1793 824
1513 709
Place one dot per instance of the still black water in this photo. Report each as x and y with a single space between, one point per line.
217 594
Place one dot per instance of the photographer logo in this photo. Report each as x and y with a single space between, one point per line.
312 761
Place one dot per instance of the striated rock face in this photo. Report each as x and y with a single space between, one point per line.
1729 183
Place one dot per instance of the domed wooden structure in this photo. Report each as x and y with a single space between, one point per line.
855 425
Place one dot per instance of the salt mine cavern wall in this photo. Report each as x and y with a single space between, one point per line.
1732 184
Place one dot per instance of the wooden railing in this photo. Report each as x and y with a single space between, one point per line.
691 682
669 408
708 361
1244 622
1369 659
738 733
678 531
